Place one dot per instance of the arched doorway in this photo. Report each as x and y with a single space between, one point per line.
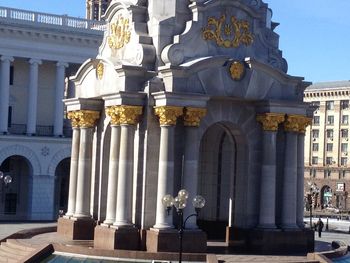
61 186
217 180
14 196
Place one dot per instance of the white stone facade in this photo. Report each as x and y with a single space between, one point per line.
37 53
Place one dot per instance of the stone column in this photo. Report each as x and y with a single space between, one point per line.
167 119
4 92
289 194
74 117
87 121
32 96
303 123
192 119
129 116
59 93
267 214
113 165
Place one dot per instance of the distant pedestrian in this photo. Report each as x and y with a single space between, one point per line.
319 227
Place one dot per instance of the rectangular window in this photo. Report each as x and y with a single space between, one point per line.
344 133
11 74
344 104
315 133
330 120
330 105
329 160
316 120
315 105
329 147
314 160
344 147
329 134
10 204
344 161
345 119
315 147
327 173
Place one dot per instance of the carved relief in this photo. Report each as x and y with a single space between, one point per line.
119 33
113 113
237 70
73 116
129 114
292 123
192 116
303 122
100 70
168 114
88 118
229 35
270 121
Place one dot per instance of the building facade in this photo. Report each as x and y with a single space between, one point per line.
37 53
95 9
188 96
327 168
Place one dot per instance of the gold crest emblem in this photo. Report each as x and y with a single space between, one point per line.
100 70
228 35
237 70
119 33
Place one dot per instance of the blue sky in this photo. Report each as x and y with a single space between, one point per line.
314 34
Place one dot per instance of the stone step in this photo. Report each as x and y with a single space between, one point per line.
17 245
14 250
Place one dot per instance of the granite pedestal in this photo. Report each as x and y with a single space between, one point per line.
76 229
126 238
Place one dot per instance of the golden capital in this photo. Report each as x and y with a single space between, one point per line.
113 113
192 116
129 114
73 116
292 123
303 122
168 114
270 121
88 118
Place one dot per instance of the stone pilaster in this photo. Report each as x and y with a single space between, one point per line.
192 117
87 122
129 117
303 123
112 112
267 214
4 91
59 94
167 119
33 95
289 194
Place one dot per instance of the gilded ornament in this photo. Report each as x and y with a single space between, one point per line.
100 70
292 123
129 114
237 70
230 35
270 121
73 116
192 116
119 33
303 122
88 118
113 113
168 114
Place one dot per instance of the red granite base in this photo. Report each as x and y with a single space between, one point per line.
116 238
194 241
76 229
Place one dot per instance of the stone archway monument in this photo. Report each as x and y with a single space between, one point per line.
180 91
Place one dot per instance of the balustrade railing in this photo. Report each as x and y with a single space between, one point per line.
41 130
50 19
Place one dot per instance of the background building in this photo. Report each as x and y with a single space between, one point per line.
95 9
37 52
326 145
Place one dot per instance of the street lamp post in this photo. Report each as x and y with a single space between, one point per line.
179 202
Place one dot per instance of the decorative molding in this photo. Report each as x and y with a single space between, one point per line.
88 118
119 33
291 123
100 70
112 112
303 122
270 121
129 115
237 70
168 114
228 35
192 116
73 116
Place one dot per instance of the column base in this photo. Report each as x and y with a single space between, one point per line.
194 241
267 226
76 229
126 238
273 241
